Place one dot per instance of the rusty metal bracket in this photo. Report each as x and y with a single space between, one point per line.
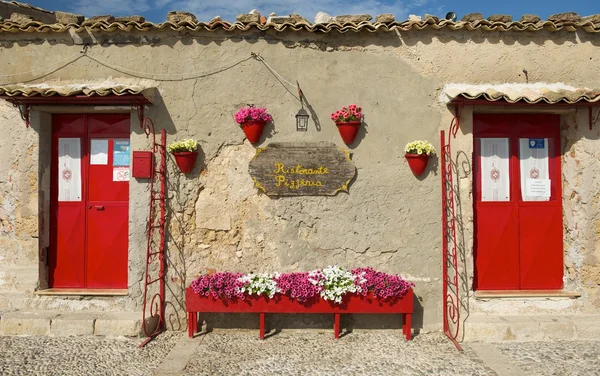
593 120
23 110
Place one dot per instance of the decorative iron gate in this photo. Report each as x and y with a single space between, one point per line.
450 276
153 322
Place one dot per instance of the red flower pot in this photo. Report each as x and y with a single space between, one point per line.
185 160
253 130
417 162
348 130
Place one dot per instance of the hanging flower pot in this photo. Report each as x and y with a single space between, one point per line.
185 160
417 155
252 120
417 162
348 121
185 153
348 130
253 130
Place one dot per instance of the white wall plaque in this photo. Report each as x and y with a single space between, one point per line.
69 169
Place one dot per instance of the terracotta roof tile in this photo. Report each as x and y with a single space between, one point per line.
586 25
528 93
73 90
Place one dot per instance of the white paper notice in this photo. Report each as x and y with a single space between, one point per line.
538 188
99 152
495 179
120 173
534 166
69 169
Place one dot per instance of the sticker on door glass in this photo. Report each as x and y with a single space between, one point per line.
120 173
534 162
536 143
495 178
99 152
121 156
69 169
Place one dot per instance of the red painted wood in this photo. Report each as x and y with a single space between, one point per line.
406 326
518 244
67 219
108 209
262 325
336 325
283 304
191 322
89 239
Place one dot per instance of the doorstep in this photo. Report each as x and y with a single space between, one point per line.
496 294
82 292
111 324
522 328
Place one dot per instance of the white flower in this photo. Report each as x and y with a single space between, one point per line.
259 284
183 145
419 147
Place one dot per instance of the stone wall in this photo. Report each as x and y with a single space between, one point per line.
390 220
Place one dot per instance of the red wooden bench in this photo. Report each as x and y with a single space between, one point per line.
283 304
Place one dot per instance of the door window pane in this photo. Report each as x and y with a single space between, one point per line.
534 165
495 178
69 169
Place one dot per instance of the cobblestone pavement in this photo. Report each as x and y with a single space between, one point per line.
365 353
81 355
293 353
581 358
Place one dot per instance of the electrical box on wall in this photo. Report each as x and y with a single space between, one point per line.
143 163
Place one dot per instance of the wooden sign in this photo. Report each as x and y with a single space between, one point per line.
302 169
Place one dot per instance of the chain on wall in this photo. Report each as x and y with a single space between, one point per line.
153 322
450 275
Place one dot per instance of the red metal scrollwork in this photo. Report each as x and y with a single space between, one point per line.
153 322
451 303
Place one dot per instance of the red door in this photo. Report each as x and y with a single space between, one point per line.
518 207
89 201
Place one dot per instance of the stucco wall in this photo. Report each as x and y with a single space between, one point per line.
390 220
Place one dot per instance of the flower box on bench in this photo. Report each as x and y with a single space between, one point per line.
352 303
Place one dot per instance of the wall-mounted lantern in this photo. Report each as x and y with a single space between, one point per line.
302 120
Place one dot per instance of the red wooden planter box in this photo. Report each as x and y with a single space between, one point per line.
284 304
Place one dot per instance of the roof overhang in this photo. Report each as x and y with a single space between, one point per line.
536 95
523 94
77 95
25 96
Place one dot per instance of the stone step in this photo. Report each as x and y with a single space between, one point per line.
111 324
490 328
11 300
79 303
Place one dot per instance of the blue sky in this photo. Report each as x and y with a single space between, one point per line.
156 10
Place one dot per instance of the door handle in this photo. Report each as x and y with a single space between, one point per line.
98 207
